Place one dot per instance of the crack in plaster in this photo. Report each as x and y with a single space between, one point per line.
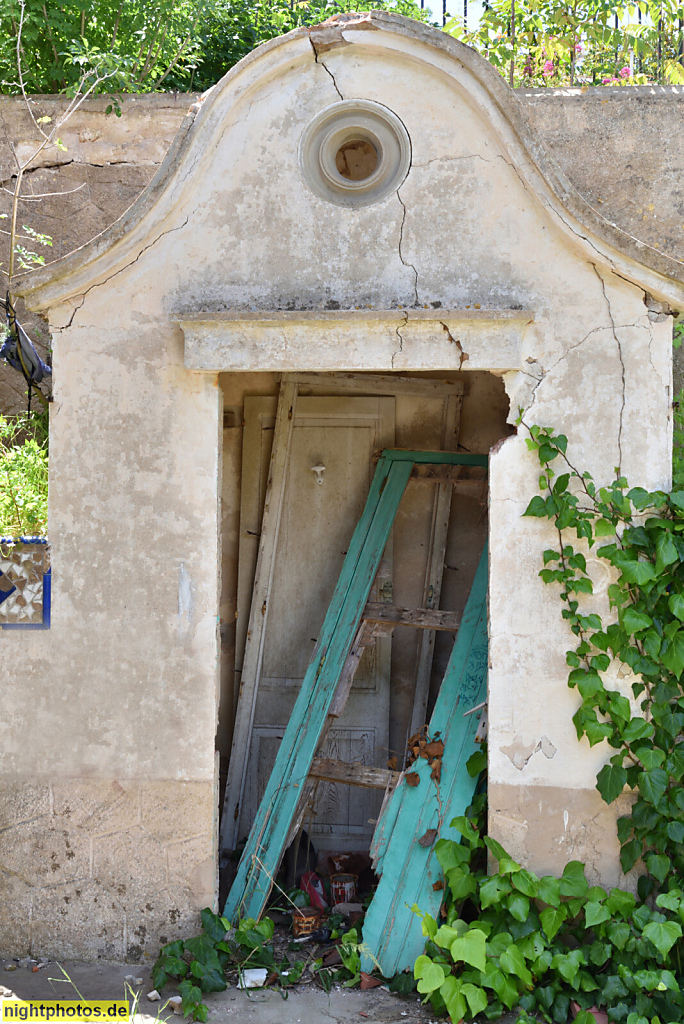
398 330
325 67
99 284
401 255
463 354
578 344
622 361
664 383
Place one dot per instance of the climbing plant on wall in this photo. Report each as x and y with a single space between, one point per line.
640 535
545 945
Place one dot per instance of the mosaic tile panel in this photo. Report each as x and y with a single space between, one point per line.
24 583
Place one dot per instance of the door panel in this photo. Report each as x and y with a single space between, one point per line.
317 522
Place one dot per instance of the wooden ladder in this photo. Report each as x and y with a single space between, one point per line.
350 624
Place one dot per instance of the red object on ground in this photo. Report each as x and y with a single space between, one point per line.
368 982
312 885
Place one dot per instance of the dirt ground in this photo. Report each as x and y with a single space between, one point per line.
306 1004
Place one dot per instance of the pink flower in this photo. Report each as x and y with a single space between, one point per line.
625 73
578 48
548 68
609 81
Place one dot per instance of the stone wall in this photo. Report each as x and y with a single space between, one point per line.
621 147
106 163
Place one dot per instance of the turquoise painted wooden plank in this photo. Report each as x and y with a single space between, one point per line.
383 832
265 844
439 458
391 931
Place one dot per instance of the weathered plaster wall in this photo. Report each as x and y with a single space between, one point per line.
123 691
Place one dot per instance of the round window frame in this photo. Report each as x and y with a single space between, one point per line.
344 122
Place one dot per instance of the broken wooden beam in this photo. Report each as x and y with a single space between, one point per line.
419 618
352 774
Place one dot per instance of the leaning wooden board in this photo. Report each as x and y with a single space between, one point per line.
265 845
391 931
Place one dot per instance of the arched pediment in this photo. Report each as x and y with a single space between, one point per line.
382 59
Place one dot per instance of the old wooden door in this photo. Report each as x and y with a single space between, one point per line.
319 512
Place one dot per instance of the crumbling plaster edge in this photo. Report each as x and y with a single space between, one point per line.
623 254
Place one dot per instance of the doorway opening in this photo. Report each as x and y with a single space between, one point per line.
341 423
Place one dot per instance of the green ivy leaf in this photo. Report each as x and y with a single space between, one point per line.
549 890
453 998
620 902
637 572
604 528
526 882
610 782
650 757
476 763
476 996
619 932
672 653
568 964
573 881
518 906
595 913
552 919
676 606
201 947
431 977
492 890
446 935
652 784
537 507
213 925
636 729
675 831
505 989
461 883
629 854
666 552
513 962
663 935
658 865
633 621
451 854
471 948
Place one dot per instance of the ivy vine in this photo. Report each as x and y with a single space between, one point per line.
640 534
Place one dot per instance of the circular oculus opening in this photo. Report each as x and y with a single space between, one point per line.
355 153
356 160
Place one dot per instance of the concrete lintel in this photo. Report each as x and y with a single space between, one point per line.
357 339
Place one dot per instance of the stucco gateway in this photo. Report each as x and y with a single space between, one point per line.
482 258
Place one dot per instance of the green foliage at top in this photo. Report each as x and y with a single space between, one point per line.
594 42
144 45
189 44
512 939
23 476
640 535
